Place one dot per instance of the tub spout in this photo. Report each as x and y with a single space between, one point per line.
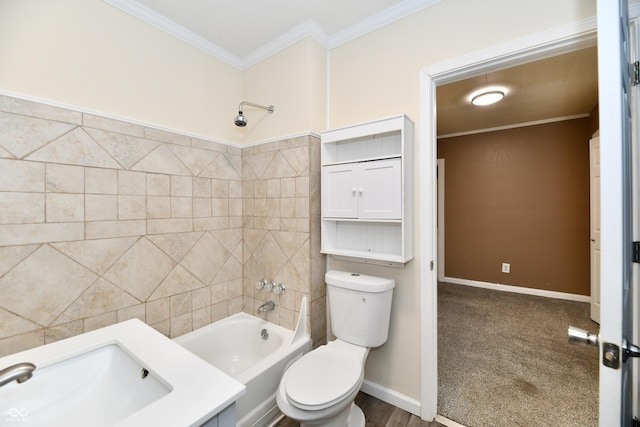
267 306
20 372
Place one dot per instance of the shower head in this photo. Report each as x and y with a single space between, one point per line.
241 120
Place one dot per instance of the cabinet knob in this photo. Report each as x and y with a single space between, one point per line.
361 190
353 190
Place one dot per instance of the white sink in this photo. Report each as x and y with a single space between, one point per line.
126 375
104 385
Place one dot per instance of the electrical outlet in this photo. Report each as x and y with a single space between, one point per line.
506 268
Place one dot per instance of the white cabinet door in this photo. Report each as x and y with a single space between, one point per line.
366 190
339 191
379 190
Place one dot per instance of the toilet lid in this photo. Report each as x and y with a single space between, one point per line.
322 377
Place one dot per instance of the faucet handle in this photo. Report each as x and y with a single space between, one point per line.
270 286
279 289
261 284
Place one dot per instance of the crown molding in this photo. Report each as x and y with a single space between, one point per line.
308 29
168 26
379 20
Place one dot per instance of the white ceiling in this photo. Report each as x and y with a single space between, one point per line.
245 32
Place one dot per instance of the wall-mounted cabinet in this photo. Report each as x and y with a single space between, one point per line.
367 191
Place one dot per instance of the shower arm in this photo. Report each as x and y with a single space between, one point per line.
270 108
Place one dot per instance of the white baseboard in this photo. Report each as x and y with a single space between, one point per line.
447 422
517 289
392 397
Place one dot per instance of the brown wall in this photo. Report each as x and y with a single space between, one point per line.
519 196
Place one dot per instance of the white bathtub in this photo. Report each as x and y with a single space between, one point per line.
235 346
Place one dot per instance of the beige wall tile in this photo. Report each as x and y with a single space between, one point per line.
131 183
181 325
36 109
158 207
201 298
302 186
219 188
100 207
181 186
132 207
100 321
164 136
108 229
202 224
181 304
201 187
24 234
201 207
66 330
181 207
100 122
21 342
163 327
160 226
219 311
158 310
158 185
201 317
219 207
21 208
65 207
134 312
17 175
287 187
302 207
64 178
235 189
235 207
101 181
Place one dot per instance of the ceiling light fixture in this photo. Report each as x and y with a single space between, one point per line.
488 98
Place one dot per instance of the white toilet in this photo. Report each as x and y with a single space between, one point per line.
320 387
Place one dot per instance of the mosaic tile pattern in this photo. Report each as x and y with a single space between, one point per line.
102 221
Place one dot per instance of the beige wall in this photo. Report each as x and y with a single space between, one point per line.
519 196
294 81
92 56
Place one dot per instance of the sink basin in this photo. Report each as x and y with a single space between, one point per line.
104 385
124 375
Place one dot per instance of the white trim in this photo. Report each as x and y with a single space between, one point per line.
392 397
440 221
148 125
555 41
515 126
517 289
280 138
379 20
168 26
447 422
307 29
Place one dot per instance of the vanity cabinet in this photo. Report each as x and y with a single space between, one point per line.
367 192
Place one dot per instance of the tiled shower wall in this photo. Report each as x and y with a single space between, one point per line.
281 190
103 220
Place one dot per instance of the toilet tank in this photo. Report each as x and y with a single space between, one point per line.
359 307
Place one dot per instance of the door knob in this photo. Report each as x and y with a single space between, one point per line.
580 336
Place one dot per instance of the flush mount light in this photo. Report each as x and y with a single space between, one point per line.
487 98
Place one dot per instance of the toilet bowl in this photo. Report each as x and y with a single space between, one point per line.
319 388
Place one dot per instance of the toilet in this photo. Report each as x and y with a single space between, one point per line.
319 389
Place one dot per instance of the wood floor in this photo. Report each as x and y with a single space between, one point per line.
378 414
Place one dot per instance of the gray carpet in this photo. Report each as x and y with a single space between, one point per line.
504 360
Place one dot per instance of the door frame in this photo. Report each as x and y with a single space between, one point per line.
556 41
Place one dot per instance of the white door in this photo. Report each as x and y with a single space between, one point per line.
594 217
616 212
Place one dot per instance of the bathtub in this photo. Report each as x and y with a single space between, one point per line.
236 346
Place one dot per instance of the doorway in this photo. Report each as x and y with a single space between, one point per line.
519 52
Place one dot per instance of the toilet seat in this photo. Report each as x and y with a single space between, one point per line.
322 377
